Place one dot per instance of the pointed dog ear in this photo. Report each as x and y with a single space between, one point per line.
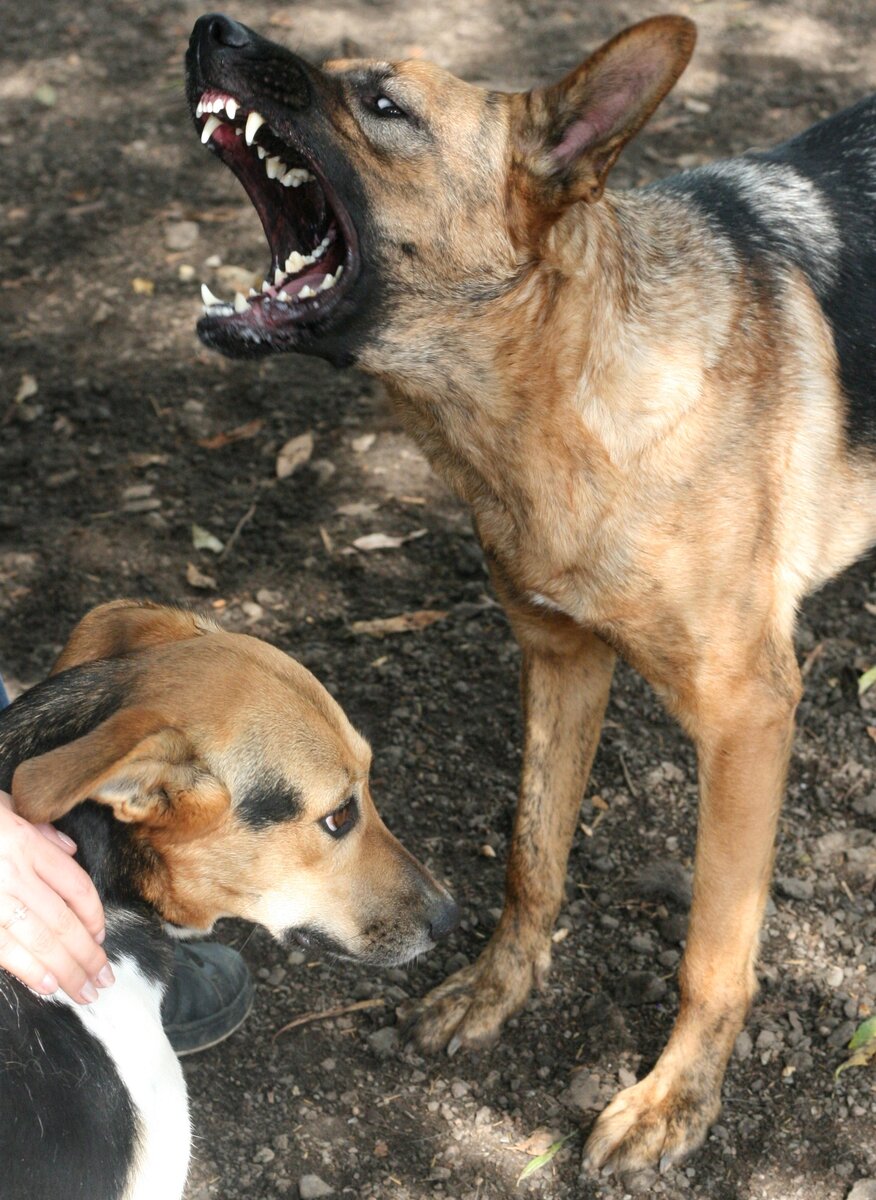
124 626
146 771
570 134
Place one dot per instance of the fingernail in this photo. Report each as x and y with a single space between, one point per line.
67 841
100 938
89 993
49 983
105 977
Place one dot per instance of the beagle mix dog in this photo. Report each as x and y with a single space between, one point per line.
202 774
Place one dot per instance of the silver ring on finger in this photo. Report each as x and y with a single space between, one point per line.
18 914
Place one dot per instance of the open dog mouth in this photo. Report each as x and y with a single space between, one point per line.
311 238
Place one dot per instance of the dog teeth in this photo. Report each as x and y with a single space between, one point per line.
296 176
254 122
306 293
210 126
241 304
208 297
199 111
275 167
297 262
285 297
231 107
279 277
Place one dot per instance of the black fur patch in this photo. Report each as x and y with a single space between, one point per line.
838 156
59 710
272 800
67 1123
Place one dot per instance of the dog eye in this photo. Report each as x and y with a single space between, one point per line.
384 107
342 820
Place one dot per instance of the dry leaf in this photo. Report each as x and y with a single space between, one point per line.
357 509
143 287
403 623
538 1142
27 388
381 1150
239 434
363 443
486 851
599 803
203 539
142 459
197 579
386 541
294 454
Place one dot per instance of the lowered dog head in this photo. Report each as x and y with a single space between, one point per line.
242 785
398 200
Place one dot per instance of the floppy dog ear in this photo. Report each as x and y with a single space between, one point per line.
124 626
146 771
571 133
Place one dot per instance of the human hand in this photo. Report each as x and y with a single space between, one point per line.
51 918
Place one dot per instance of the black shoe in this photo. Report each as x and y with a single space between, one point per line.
210 995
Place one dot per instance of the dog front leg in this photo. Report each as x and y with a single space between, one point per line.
743 744
566 679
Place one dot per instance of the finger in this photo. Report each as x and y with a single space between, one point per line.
40 943
22 964
57 838
74 885
64 924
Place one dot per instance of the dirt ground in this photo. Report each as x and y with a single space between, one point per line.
109 404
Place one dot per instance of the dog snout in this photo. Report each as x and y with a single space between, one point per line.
443 917
216 31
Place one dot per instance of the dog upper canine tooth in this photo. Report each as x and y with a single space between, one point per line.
253 123
279 276
208 297
231 107
210 126
241 304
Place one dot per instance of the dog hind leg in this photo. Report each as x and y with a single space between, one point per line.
743 732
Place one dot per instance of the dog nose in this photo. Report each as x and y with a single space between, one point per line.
443 918
215 30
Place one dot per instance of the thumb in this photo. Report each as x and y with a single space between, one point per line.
60 839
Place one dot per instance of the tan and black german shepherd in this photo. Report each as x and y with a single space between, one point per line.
660 405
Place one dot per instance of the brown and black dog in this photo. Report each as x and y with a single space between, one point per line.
660 406
202 774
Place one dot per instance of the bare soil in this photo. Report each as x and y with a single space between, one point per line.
105 469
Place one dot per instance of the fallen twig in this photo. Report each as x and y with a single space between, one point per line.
327 1013
238 529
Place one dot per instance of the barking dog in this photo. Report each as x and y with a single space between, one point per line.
660 405
204 774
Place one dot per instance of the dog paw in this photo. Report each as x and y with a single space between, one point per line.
468 1009
652 1124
